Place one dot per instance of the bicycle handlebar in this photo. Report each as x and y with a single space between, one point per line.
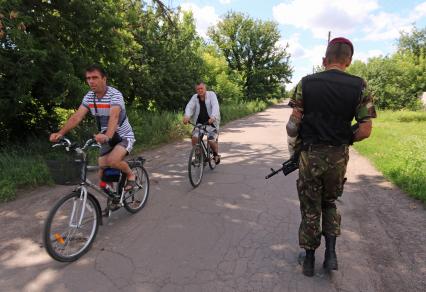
74 146
199 125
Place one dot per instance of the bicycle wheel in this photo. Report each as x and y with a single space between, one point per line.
212 162
196 165
71 227
136 199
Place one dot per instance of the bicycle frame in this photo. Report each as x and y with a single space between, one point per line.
85 183
201 133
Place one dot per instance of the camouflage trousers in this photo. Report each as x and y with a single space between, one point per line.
322 171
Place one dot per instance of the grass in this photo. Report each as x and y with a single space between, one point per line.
397 147
24 167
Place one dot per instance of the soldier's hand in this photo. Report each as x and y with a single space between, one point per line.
211 121
185 120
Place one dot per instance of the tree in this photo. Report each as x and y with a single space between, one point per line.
396 81
219 77
250 47
44 48
413 42
168 61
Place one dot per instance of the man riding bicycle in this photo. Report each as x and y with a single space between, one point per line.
203 108
115 132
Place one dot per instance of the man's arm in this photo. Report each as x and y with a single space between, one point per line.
293 124
363 131
365 112
215 108
189 110
72 122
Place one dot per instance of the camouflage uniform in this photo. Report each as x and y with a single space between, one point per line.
322 171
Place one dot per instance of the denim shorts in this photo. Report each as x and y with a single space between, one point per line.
212 133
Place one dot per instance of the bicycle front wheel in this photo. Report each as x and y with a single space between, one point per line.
71 227
196 166
212 162
136 199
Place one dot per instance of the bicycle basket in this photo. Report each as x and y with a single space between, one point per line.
66 170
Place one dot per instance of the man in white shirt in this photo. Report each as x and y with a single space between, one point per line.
203 108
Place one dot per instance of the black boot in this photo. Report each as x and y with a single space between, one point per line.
330 258
309 263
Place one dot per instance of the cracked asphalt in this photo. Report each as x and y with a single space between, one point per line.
235 232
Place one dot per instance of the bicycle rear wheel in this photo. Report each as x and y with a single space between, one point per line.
71 227
196 166
136 199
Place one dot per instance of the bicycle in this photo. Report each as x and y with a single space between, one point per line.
72 224
200 155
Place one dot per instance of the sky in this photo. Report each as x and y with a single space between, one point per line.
373 26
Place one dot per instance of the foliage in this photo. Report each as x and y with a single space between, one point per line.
251 48
224 81
413 42
45 46
396 147
167 65
397 81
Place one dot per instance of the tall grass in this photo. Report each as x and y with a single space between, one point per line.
25 167
21 167
397 147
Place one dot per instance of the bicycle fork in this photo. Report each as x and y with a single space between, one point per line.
75 222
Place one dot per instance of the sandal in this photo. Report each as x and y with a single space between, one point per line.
130 185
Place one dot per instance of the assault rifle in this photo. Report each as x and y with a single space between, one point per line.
288 166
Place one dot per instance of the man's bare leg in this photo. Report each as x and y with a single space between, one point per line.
115 159
194 140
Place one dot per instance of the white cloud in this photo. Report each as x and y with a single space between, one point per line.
225 1
364 56
321 16
299 52
294 47
387 26
205 17
343 17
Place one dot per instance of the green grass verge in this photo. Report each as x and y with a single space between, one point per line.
397 147
25 167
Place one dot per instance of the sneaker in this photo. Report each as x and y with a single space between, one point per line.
217 159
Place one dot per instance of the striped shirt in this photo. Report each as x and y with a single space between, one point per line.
112 97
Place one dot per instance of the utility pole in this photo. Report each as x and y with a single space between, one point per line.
329 36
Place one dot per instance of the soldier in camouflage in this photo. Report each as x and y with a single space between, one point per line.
319 131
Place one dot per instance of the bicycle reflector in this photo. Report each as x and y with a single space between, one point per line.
59 238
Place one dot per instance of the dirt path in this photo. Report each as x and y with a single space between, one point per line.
236 232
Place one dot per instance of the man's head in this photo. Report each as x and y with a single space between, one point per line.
339 52
201 89
96 78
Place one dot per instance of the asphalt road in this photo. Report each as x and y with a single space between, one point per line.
235 232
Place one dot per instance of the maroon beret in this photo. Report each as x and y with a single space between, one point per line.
342 40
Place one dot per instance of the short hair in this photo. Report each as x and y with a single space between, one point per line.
96 67
338 53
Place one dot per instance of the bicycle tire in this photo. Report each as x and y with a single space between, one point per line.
142 180
196 161
48 233
212 162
